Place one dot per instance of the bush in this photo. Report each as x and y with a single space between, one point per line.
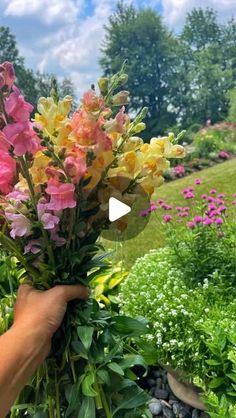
220 137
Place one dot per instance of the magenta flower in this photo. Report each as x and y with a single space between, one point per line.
186 208
191 225
234 195
183 214
221 196
204 196
207 221
198 182
22 137
233 202
165 206
17 107
178 208
160 201
20 225
198 219
167 218
211 206
61 195
219 221
222 208
189 195
224 155
213 191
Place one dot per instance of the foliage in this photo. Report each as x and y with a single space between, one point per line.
105 285
183 79
140 37
232 106
217 138
33 85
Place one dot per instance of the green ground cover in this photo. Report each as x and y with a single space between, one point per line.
221 177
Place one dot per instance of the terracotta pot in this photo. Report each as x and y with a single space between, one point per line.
183 390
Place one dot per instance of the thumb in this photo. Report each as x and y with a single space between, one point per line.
71 292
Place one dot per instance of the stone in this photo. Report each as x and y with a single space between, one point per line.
159 383
176 408
155 406
151 382
195 413
161 394
167 412
156 373
184 413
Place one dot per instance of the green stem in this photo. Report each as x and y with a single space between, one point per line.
58 414
105 403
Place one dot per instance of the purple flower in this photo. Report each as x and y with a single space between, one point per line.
20 225
167 218
213 191
160 201
178 208
48 219
222 208
198 181
197 219
224 155
219 221
204 196
233 202
144 213
221 196
207 221
165 206
189 195
186 209
33 247
211 206
191 225
183 214
234 195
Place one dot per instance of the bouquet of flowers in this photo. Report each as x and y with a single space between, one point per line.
57 172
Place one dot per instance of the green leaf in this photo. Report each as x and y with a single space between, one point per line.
232 376
72 397
104 376
131 360
87 409
213 362
116 368
216 382
87 385
133 398
85 333
123 325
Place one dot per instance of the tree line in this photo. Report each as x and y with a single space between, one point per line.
185 79
32 84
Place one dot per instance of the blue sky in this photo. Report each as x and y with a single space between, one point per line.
64 36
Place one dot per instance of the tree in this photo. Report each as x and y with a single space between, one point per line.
25 77
140 37
208 76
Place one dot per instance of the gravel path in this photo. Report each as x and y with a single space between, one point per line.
164 404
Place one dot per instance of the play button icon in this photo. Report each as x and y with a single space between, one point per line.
122 209
117 209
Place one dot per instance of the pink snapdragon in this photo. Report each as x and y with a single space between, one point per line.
75 167
22 137
20 225
33 247
17 107
7 75
7 172
48 219
61 195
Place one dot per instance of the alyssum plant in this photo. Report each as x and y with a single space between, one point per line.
56 175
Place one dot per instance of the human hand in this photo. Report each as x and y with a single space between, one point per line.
42 312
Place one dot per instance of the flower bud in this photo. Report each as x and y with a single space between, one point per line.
123 79
139 127
121 98
103 85
7 75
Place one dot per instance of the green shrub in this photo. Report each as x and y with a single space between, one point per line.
210 141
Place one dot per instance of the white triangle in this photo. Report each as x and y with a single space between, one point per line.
117 209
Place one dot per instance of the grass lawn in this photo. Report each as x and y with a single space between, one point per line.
222 177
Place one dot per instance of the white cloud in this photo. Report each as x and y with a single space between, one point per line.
174 11
47 10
